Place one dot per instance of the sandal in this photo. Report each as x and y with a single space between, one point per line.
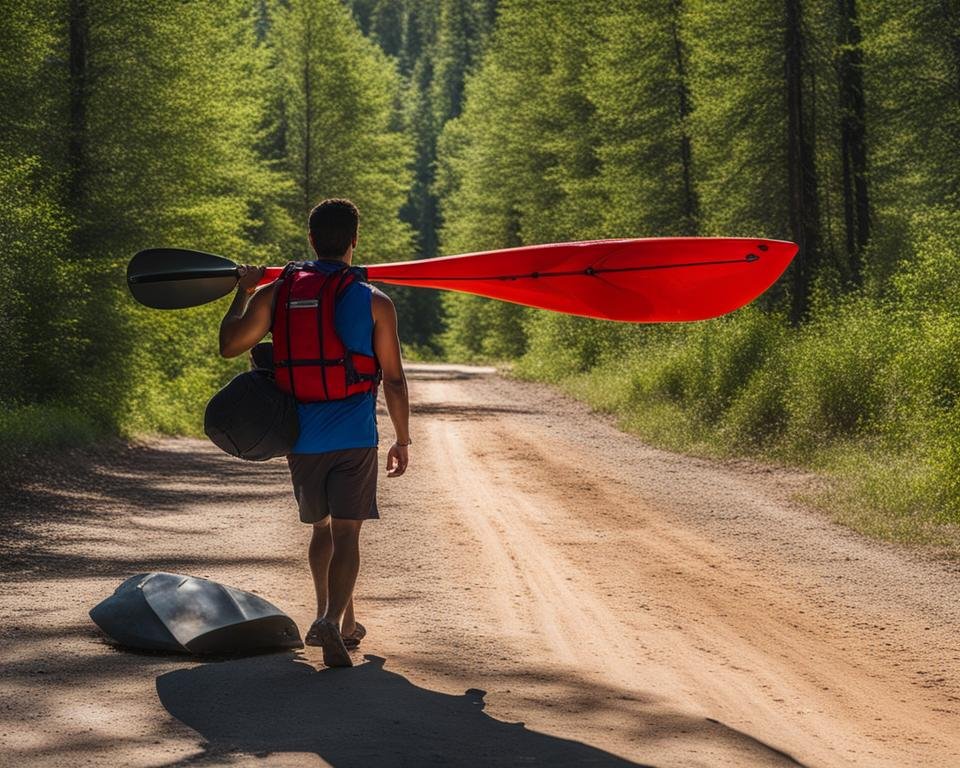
352 640
324 633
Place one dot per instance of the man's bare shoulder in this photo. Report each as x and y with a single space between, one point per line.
380 303
379 295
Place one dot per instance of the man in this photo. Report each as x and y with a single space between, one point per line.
333 465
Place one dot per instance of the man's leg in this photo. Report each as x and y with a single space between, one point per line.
342 573
320 554
349 624
349 487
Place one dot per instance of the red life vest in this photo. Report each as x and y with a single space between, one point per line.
310 360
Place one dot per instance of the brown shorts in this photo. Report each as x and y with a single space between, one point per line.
338 483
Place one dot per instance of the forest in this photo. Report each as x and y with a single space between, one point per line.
465 125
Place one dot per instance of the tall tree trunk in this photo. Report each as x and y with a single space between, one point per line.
853 141
683 99
804 214
951 21
78 30
307 113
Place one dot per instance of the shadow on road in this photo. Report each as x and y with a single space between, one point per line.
98 490
361 716
446 372
467 411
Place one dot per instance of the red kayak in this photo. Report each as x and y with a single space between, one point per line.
667 279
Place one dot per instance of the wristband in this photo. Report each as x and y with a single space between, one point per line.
403 445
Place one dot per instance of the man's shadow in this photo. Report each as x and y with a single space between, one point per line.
361 716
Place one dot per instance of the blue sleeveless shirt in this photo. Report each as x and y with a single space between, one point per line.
334 425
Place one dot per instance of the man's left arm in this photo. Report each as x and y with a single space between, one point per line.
250 314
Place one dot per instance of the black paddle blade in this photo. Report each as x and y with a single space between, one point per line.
175 278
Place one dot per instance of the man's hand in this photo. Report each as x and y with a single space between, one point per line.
249 277
397 459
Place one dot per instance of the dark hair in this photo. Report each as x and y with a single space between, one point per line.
333 224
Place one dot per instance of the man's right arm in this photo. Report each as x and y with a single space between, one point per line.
386 346
249 317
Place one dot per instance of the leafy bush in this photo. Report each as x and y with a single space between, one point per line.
836 368
733 348
482 329
560 345
758 417
37 427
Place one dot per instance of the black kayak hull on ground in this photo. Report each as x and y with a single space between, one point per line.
177 613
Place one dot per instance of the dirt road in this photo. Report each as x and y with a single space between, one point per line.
542 589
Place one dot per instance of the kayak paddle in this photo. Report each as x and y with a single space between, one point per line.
175 278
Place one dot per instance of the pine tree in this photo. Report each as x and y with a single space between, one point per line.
29 39
461 26
912 81
159 149
639 85
853 139
518 166
37 297
753 129
436 43
337 94
420 308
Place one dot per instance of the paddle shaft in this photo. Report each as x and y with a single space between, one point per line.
194 274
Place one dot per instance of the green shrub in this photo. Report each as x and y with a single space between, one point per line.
668 368
483 329
35 427
560 345
757 417
923 379
942 484
836 367
704 367
930 280
734 348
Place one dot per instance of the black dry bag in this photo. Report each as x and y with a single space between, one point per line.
252 419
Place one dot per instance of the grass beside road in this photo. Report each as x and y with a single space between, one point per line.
31 428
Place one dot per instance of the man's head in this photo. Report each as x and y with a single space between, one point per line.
333 228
